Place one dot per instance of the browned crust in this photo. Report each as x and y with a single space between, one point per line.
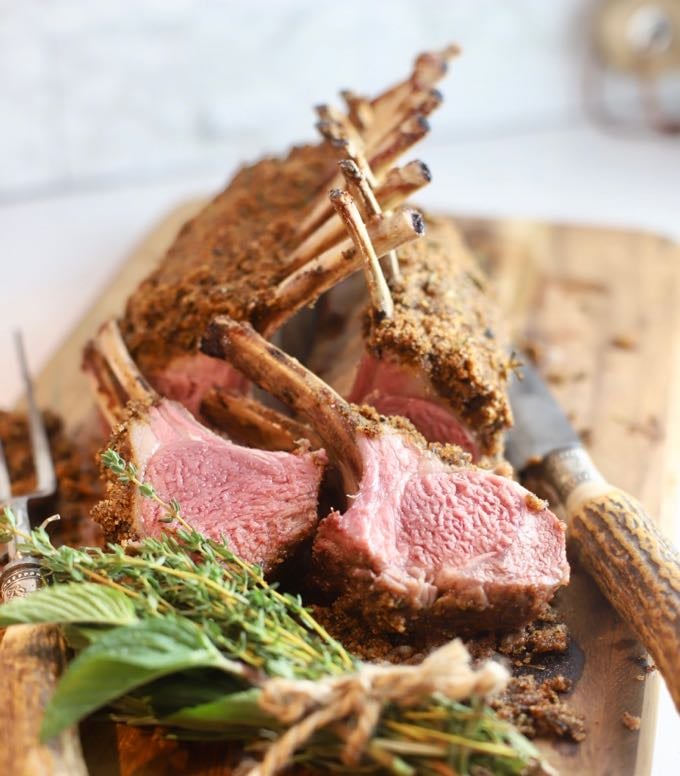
452 614
445 325
225 259
115 512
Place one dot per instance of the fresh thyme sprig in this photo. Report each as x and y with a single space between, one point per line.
153 613
127 472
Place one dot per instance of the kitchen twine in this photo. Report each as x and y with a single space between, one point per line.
309 706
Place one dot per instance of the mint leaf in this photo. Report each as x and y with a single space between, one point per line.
72 602
125 658
233 709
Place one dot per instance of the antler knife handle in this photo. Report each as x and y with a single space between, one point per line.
32 658
634 565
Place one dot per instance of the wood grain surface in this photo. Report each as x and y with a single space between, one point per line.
32 658
599 308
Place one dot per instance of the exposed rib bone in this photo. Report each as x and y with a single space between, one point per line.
321 239
399 185
396 123
396 143
359 109
335 125
378 291
247 422
322 210
369 206
401 182
360 189
429 68
304 285
287 380
419 104
347 143
114 375
110 344
111 399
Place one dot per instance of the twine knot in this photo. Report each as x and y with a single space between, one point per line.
352 703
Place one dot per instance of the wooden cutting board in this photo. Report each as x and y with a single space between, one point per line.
600 308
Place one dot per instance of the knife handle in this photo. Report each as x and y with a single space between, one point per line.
31 659
632 562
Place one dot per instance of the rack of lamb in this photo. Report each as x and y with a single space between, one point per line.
425 532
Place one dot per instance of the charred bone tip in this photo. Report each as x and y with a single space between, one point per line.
350 168
424 171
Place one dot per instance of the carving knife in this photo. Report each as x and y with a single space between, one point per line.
634 565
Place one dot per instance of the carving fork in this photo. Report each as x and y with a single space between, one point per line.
31 656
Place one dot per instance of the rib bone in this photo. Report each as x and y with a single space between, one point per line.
429 68
304 285
338 129
359 188
394 145
115 378
369 206
397 121
359 109
401 182
377 287
247 422
398 142
287 380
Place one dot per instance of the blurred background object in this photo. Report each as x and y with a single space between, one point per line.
640 40
100 93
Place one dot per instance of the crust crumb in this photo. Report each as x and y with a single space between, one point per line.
630 721
534 503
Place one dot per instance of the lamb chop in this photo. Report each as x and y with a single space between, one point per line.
441 359
270 244
426 538
264 503
430 347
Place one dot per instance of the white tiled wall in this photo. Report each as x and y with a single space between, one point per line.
92 91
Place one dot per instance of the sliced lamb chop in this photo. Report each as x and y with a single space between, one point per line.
269 245
264 503
426 537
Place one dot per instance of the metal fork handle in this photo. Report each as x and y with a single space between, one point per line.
22 575
32 657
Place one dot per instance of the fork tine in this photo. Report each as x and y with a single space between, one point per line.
46 481
5 484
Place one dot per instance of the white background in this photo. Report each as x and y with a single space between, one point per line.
112 113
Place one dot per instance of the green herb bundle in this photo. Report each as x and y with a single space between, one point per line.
178 631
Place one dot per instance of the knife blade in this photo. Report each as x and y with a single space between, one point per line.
631 561
541 427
